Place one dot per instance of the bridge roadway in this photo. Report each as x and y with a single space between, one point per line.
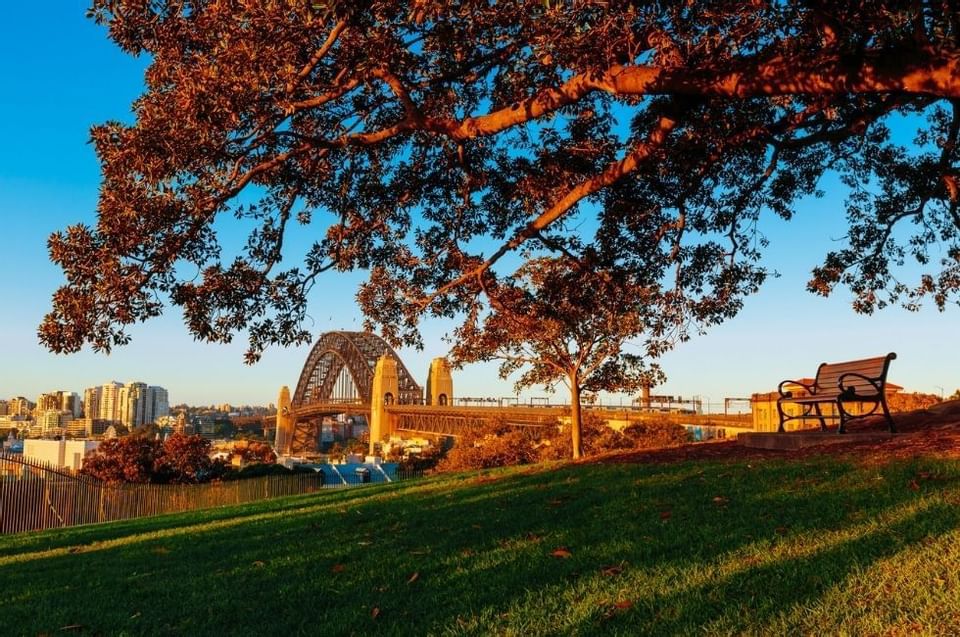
454 419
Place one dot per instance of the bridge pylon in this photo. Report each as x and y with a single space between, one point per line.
439 383
284 435
386 391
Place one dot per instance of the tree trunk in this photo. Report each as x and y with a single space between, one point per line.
575 421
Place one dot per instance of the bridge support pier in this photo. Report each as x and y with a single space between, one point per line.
386 390
439 383
284 435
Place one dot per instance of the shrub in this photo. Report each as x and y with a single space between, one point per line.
495 445
180 459
662 432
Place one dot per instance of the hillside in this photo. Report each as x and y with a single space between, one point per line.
759 544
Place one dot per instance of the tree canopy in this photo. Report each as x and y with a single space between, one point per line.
430 143
569 322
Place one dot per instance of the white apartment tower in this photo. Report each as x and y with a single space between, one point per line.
110 402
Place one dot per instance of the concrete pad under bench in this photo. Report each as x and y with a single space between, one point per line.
800 439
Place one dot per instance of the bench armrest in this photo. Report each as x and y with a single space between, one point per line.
850 391
787 394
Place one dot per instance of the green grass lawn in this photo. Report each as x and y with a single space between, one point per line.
818 546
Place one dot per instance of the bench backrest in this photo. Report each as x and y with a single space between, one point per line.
829 375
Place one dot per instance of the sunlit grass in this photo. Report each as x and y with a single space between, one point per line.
769 547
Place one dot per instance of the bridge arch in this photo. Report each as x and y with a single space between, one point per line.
339 356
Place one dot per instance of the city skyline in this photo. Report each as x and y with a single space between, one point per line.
769 340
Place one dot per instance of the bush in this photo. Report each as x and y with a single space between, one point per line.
496 445
646 434
180 459
499 445
254 452
261 470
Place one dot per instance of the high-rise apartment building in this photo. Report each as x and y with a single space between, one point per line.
48 402
91 402
110 401
132 403
70 401
159 402
140 404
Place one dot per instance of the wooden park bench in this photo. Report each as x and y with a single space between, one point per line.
840 384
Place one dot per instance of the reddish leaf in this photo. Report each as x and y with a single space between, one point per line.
259 563
623 604
375 612
720 500
561 552
414 578
338 568
914 485
665 515
610 571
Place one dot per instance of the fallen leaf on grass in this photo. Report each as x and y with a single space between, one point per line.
71 627
555 502
781 530
375 612
914 485
611 571
160 550
665 515
414 578
258 563
338 568
533 537
135 615
720 500
561 552
623 604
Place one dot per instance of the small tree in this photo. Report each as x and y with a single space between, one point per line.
126 459
186 460
564 322
180 459
256 452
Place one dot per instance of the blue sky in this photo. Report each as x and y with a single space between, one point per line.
61 75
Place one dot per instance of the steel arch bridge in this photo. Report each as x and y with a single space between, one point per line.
340 369
338 378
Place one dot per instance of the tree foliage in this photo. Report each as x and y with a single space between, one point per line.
180 459
563 321
427 142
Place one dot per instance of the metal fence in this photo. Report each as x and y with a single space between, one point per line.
36 496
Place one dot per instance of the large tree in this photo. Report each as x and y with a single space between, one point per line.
427 141
565 322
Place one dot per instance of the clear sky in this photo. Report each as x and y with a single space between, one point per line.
61 75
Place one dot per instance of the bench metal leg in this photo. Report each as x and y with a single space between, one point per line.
783 417
886 412
823 423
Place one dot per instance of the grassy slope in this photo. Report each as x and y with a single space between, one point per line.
773 547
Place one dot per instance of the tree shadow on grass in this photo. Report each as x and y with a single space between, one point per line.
750 598
414 560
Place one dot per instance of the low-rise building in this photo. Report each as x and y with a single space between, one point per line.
64 454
